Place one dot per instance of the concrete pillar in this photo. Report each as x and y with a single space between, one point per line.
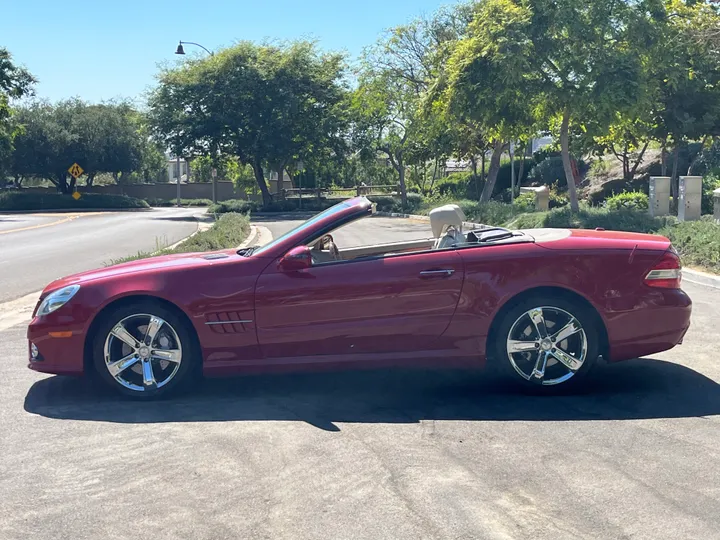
542 197
659 197
690 200
716 205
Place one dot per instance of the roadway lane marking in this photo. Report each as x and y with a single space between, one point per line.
58 222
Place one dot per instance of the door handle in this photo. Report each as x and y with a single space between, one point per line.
439 273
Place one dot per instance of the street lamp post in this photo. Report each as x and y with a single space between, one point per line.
181 50
178 178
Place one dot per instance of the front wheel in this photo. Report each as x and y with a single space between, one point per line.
144 350
547 343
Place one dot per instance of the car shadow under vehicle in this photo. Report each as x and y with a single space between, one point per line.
638 389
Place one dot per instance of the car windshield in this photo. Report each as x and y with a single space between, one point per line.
303 226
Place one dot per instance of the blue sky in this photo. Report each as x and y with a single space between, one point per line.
102 49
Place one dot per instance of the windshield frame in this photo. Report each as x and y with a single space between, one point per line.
353 208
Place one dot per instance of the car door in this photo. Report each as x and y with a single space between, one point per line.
392 304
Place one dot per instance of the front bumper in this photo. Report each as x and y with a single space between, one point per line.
60 344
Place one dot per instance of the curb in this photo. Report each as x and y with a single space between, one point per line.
468 224
701 278
251 237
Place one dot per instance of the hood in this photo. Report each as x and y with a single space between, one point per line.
151 264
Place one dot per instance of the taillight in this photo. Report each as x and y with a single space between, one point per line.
667 272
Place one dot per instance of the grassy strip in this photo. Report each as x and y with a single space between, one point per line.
697 242
17 200
227 232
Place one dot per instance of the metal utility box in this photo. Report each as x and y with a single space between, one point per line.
690 200
659 198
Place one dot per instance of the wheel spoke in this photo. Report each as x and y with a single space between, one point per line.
570 362
117 367
120 332
571 328
515 346
538 319
538 374
148 375
152 329
171 355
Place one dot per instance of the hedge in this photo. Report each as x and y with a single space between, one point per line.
18 200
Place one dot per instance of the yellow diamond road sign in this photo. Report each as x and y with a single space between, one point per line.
76 195
75 170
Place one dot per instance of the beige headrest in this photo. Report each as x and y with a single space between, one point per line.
445 216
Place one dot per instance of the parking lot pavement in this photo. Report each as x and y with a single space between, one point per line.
394 454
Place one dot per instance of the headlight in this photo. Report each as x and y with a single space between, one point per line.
57 299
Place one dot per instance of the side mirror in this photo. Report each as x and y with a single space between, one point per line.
298 258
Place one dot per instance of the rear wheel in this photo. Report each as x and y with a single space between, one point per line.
145 350
547 343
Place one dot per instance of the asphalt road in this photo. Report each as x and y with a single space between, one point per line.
371 455
35 249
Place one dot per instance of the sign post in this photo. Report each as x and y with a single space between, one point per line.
214 184
75 171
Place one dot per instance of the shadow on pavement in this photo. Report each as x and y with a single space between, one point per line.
639 389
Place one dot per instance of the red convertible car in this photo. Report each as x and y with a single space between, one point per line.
543 305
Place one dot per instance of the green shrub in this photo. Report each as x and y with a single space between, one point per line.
709 184
19 200
233 205
183 202
549 171
525 202
634 200
697 242
387 203
590 218
504 177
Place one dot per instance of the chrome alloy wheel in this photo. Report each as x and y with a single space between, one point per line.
547 345
143 352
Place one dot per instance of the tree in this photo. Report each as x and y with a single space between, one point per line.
266 105
395 76
567 62
688 75
100 138
484 84
15 82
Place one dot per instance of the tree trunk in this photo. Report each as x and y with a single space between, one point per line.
698 156
521 172
90 179
482 170
638 161
61 182
403 190
674 177
663 158
565 151
489 186
260 179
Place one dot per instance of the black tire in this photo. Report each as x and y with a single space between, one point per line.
188 372
501 358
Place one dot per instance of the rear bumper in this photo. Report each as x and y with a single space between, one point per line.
658 322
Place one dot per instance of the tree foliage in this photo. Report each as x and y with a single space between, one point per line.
109 138
267 105
15 82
